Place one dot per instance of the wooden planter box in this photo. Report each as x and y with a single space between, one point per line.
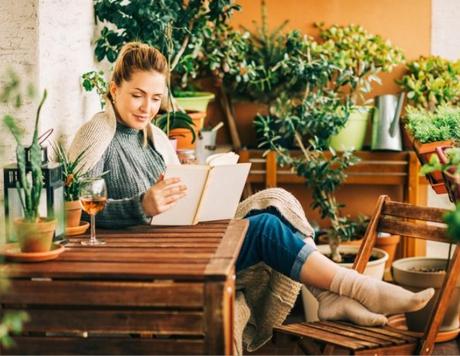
424 152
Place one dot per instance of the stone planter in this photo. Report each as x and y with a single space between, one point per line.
35 236
374 269
405 276
72 213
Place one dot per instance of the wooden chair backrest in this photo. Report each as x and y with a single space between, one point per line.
411 221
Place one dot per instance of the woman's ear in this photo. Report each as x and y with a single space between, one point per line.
113 89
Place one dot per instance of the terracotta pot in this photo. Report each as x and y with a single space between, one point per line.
72 213
388 244
184 136
405 275
36 236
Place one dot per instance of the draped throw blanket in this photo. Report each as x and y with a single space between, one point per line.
264 297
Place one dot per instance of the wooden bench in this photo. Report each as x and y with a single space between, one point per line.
148 291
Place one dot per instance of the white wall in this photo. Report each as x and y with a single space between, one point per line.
445 42
50 41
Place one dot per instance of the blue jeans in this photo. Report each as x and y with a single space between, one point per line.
272 240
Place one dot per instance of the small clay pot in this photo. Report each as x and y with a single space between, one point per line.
35 236
72 213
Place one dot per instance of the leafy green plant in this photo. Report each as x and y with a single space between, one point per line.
452 219
312 120
175 120
11 96
30 183
365 55
95 80
441 125
431 81
452 164
148 21
72 174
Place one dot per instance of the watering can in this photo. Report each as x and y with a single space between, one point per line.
386 134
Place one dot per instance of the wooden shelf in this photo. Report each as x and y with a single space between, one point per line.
374 168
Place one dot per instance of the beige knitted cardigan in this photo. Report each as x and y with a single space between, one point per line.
264 297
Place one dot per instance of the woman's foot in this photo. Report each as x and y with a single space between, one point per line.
335 307
378 296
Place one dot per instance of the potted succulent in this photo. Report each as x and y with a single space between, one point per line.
431 81
73 178
35 233
364 55
428 130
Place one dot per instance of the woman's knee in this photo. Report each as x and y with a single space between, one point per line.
265 223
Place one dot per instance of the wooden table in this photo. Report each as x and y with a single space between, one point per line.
148 291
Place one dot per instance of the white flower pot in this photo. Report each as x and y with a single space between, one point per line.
373 269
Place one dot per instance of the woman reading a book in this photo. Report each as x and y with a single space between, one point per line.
123 141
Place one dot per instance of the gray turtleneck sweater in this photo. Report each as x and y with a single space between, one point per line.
132 169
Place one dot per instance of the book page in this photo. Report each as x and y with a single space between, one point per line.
223 191
183 213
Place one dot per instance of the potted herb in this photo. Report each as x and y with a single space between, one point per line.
364 56
35 233
73 178
428 130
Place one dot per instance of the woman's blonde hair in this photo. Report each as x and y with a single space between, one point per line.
134 57
137 56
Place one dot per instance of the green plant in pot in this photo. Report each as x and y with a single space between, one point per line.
74 178
429 130
431 81
364 55
35 233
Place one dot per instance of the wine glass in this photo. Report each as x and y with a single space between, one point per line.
92 199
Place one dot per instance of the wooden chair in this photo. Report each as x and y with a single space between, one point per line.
339 337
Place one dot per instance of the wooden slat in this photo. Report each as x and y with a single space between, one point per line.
147 243
405 349
413 212
412 229
306 330
110 270
214 318
104 346
114 321
185 235
389 331
158 294
232 239
352 333
365 333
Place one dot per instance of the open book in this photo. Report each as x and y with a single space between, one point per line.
213 190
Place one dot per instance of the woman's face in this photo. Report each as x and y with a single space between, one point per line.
138 100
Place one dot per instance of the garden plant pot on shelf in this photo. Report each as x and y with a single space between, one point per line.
374 269
450 177
35 236
183 136
193 100
418 273
352 136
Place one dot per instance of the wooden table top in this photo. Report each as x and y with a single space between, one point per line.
206 251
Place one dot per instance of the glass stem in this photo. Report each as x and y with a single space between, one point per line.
93 228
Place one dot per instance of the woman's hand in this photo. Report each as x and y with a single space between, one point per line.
162 196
